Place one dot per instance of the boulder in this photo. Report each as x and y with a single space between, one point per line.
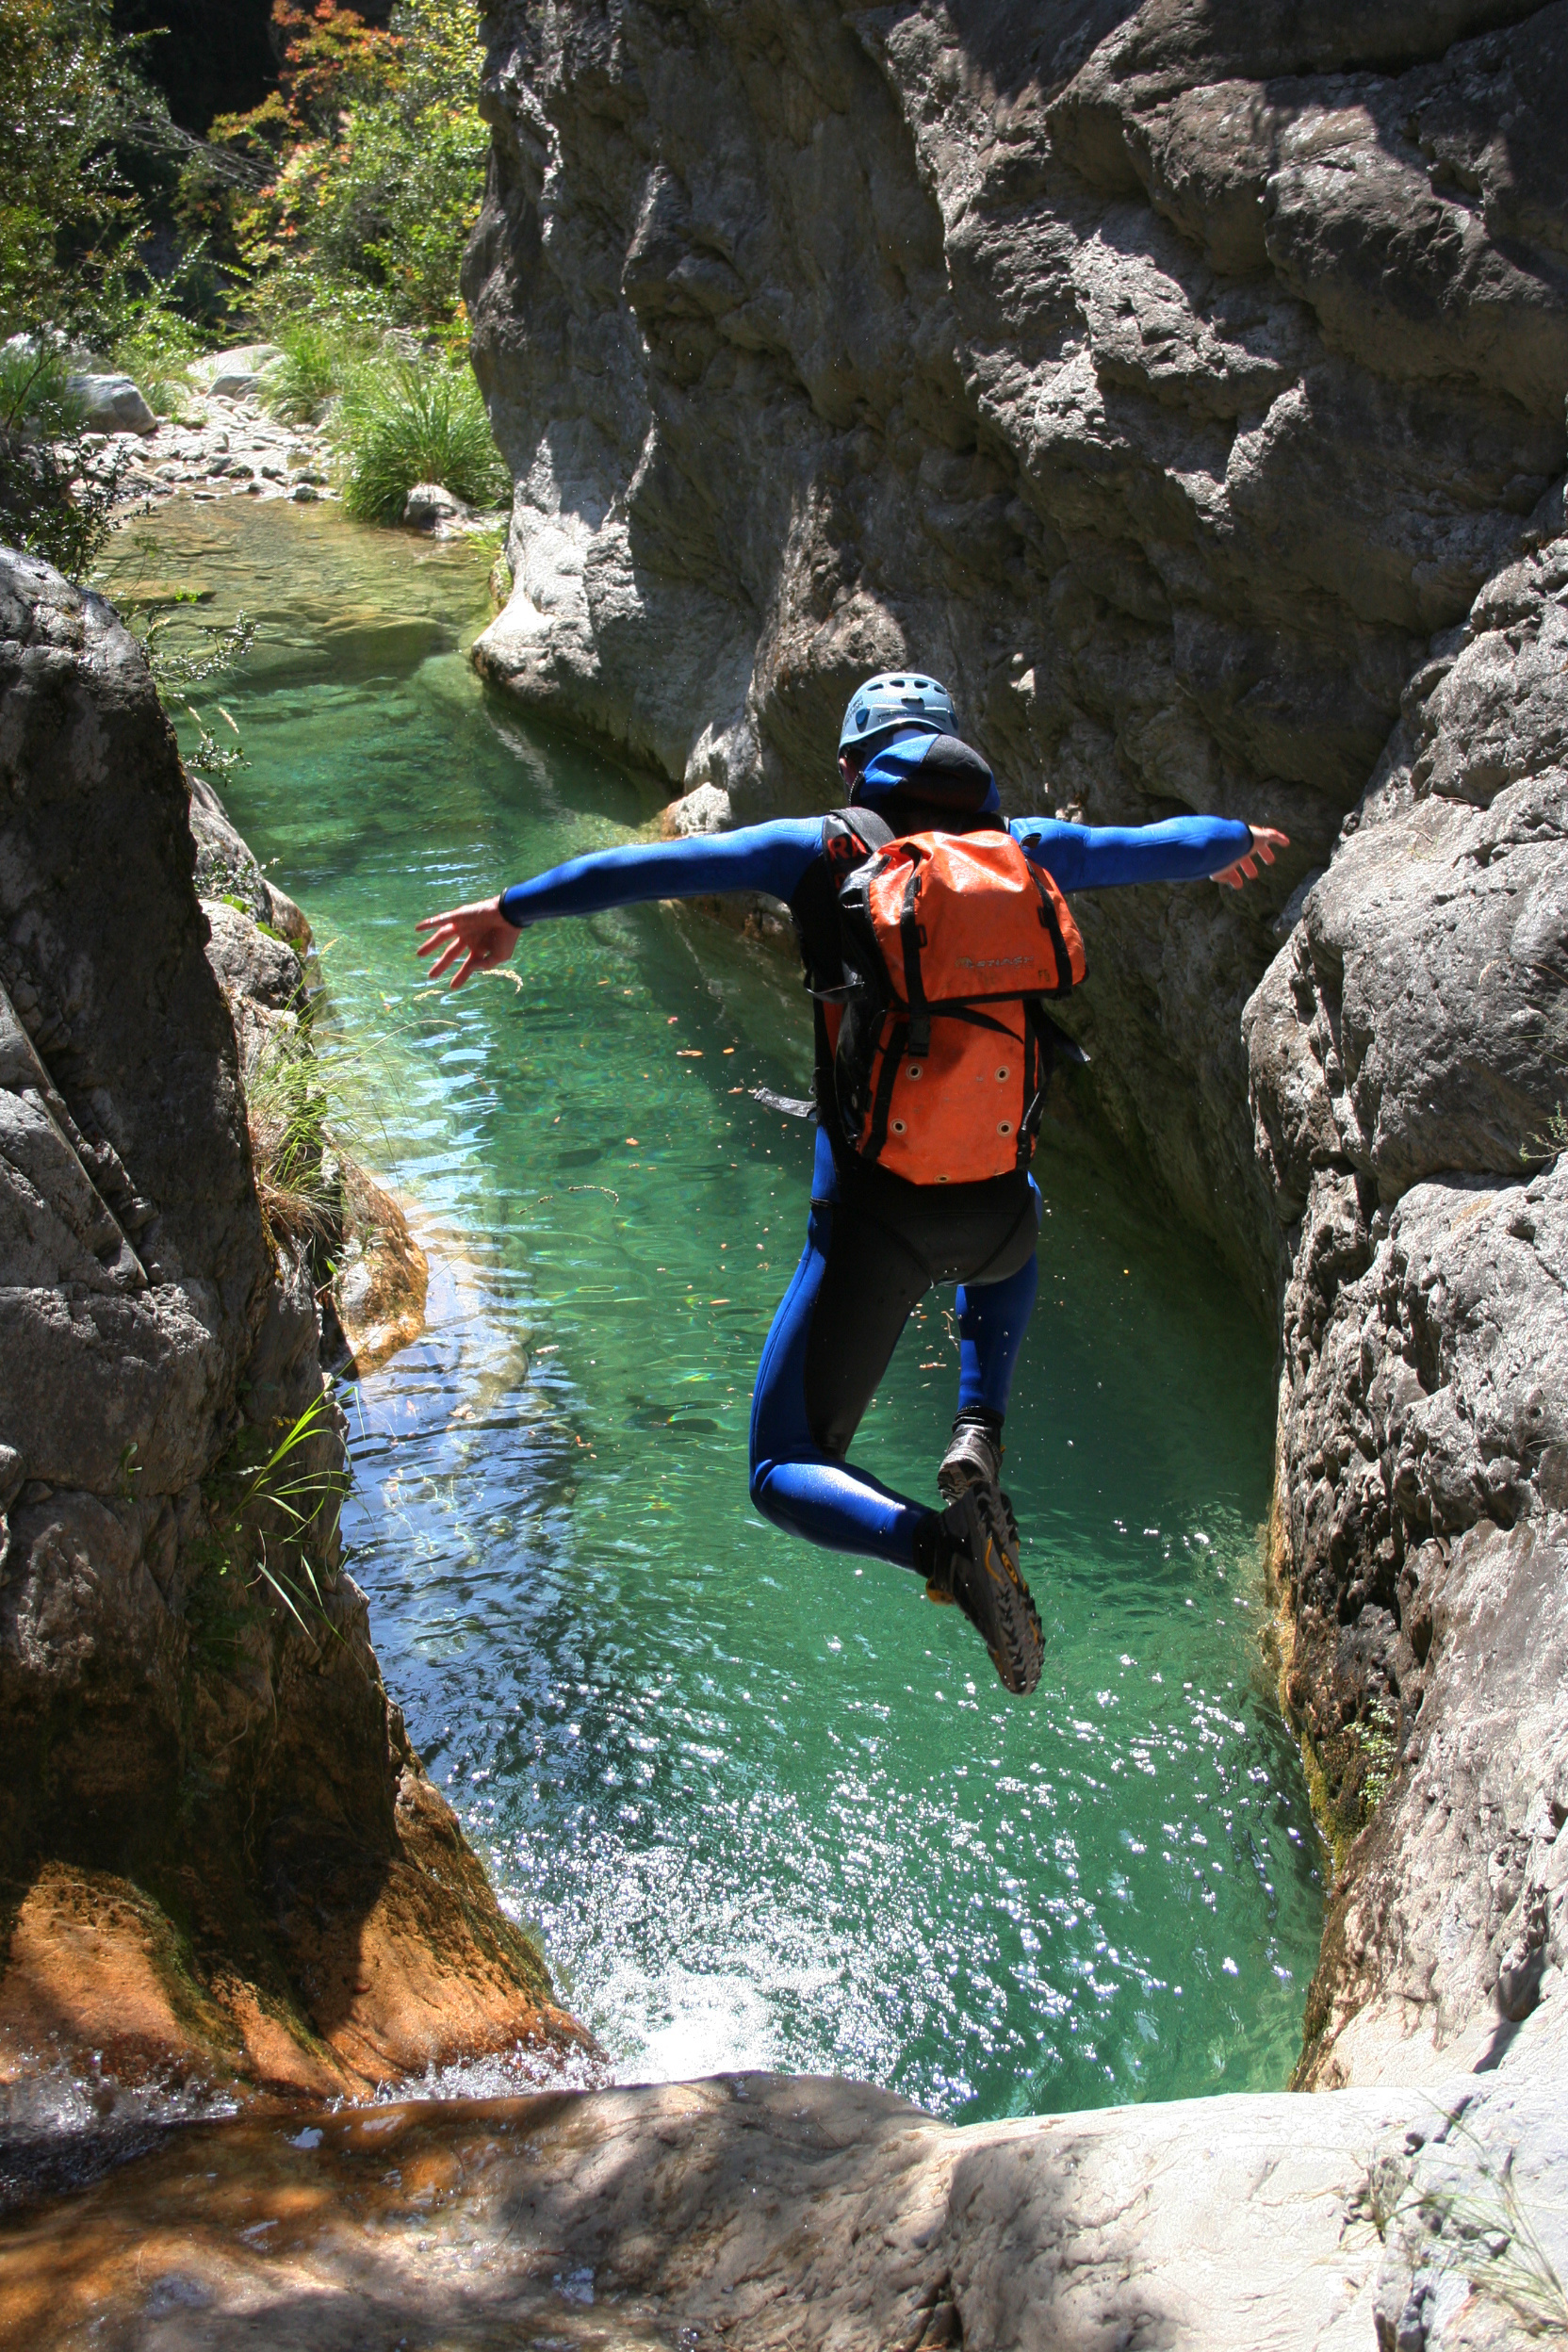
288 920
427 507
235 374
112 404
249 962
706 810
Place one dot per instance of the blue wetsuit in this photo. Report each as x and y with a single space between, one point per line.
844 1308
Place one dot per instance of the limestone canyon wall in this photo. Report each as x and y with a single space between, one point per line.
1410 1061
219 1857
1164 377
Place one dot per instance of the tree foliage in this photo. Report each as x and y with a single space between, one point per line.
379 155
68 222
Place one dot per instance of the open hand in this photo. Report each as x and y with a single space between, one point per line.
481 934
1265 843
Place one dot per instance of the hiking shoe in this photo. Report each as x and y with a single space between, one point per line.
972 1462
973 1458
976 1564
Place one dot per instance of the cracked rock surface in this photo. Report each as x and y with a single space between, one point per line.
1408 1050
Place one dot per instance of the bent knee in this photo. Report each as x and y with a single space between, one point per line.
762 1499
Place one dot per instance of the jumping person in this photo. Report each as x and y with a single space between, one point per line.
916 1181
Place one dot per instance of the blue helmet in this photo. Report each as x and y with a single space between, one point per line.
889 703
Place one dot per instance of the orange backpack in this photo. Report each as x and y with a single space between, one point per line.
940 1042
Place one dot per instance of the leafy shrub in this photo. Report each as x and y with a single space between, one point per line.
34 370
381 155
157 346
55 501
68 222
415 421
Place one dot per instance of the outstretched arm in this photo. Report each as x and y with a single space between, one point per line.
769 858
1181 849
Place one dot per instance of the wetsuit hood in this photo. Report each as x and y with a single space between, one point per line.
936 777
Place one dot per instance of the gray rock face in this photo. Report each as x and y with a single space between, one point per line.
1407 1052
112 404
191 1713
1164 377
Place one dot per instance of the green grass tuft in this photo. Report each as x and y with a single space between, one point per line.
411 421
33 395
318 359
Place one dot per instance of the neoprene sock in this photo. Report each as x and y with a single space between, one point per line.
980 1417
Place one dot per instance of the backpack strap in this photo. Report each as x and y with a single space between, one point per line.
863 827
1048 1043
849 837
914 982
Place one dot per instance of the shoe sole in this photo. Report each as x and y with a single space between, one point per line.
1019 1624
1018 1649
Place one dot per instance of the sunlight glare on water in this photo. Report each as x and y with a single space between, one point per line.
766 1805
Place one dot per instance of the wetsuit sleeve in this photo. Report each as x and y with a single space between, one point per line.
1098 857
769 858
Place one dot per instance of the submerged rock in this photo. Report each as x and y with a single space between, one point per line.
382 1277
220 1861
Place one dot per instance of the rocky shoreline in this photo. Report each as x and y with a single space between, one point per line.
222 443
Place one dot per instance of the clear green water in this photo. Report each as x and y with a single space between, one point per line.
767 1806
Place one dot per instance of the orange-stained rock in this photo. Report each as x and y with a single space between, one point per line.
91 1963
375 1966
220 1862
779 2213
383 1276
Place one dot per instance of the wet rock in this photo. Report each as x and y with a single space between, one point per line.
193 1726
112 404
383 1277
795 2214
